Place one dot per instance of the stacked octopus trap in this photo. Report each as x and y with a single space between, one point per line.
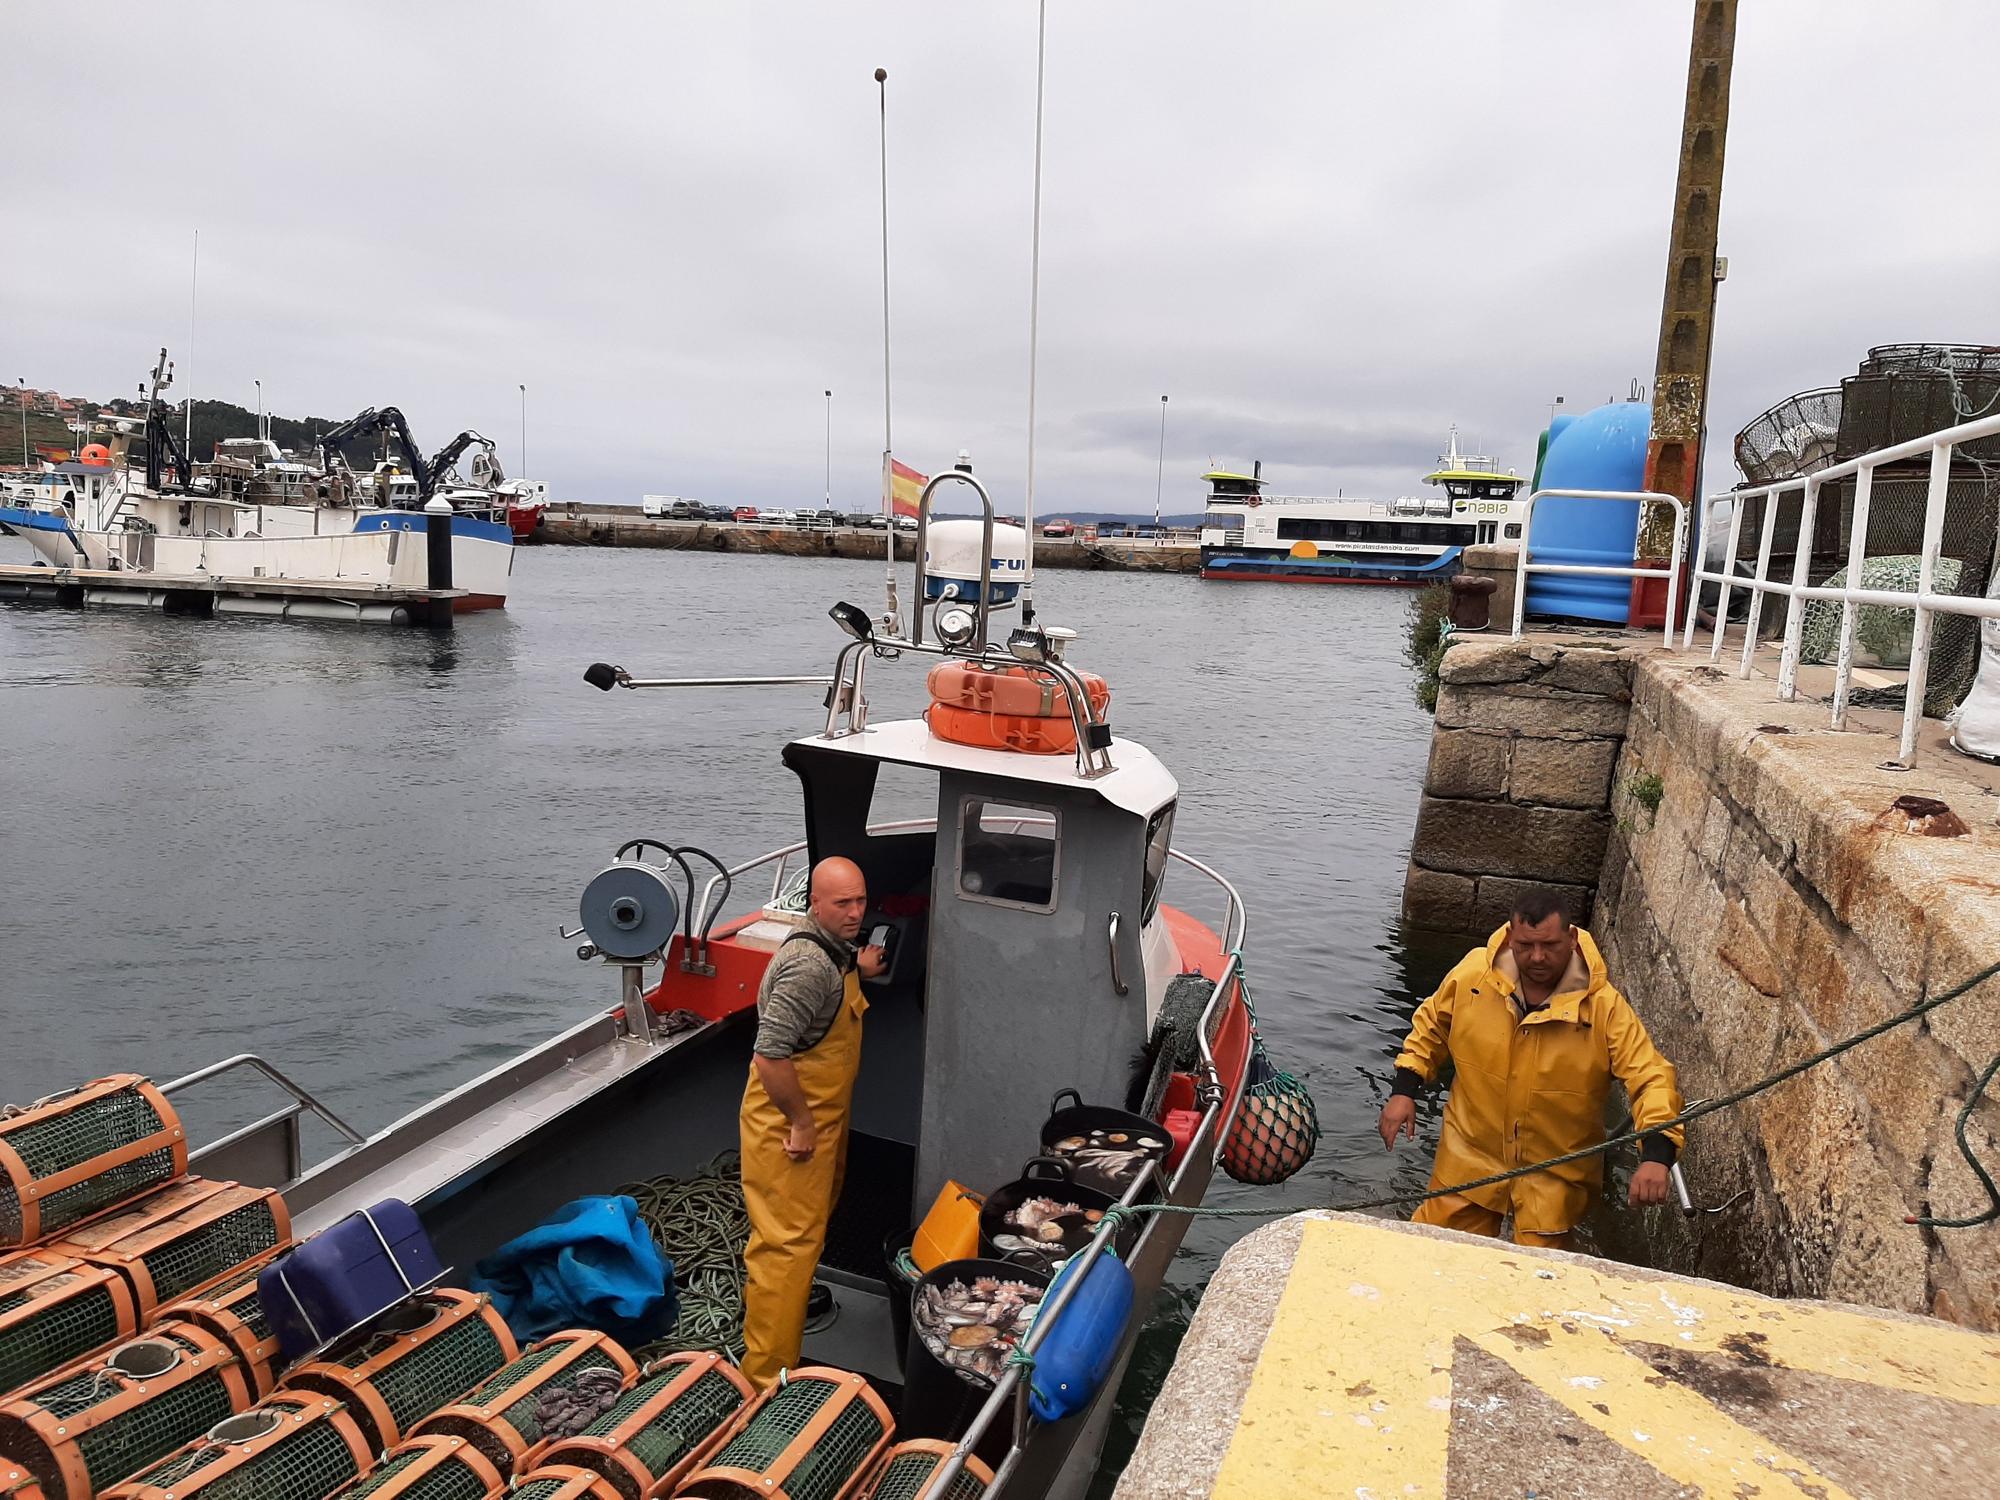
164 1337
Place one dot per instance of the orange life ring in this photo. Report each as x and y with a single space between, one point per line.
1031 736
1016 692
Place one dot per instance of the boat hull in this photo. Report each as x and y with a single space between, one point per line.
1232 566
382 549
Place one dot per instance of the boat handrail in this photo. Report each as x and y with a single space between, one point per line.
301 1095
248 1144
1011 1384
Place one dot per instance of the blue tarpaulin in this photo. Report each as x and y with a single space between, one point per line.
593 1264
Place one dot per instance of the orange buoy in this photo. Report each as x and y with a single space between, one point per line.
1016 691
966 726
95 455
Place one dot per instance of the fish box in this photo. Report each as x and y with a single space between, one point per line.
345 1275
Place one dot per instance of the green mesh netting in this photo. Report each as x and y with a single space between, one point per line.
908 1474
148 1432
60 1325
61 1141
538 1489
833 1461
453 1479
206 1251
439 1371
308 1464
682 1427
1277 1126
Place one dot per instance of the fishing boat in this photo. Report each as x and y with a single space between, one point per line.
1247 534
257 513
1031 950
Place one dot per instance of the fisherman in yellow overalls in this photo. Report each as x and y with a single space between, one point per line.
795 1109
1536 1032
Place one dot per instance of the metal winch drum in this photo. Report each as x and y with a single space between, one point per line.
54 1309
412 1363
661 1430
183 1238
502 1417
76 1154
816 1435
429 1468
92 1425
910 1467
289 1445
630 910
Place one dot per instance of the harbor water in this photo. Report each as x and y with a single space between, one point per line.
349 849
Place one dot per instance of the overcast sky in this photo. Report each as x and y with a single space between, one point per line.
1326 230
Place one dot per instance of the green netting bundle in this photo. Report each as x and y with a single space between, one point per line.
1276 1128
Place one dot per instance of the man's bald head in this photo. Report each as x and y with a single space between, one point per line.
838 897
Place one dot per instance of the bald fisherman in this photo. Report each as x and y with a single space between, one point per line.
795 1108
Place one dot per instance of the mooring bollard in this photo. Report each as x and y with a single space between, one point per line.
437 524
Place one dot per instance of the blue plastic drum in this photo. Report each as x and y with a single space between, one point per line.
1603 449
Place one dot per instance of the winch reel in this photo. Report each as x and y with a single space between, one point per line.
631 909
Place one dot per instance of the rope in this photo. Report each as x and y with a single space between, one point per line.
1122 1212
701 1224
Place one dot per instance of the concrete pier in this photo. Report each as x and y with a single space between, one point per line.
628 529
1344 1356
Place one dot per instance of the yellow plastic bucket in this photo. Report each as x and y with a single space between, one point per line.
950 1230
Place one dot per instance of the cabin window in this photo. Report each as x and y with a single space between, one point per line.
1159 843
1007 854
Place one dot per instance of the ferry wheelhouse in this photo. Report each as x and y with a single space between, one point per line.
1248 534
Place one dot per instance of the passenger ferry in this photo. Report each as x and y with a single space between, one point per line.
1248 534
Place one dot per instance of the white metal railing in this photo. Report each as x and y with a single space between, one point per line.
1925 602
1524 565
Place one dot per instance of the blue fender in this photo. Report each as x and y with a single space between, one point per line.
1072 1361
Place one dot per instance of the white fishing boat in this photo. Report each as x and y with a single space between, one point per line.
1247 534
257 514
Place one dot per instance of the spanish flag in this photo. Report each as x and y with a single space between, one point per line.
906 488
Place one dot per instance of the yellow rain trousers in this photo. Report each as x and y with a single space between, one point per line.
791 1201
1531 1087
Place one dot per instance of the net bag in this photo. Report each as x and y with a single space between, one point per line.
815 1435
417 1360
1276 1129
558 1483
907 1472
83 1430
429 1468
54 1309
659 1431
232 1311
291 1447
72 1155
182 1239
562 1383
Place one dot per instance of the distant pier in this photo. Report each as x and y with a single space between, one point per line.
627 528
206 594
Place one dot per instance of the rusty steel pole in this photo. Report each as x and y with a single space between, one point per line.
1687 311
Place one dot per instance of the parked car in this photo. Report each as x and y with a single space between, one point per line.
877 521
1059 528
819 520
717 513
858 519
745 513
906 523
656 505
779 517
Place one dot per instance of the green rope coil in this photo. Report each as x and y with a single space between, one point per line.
702 1225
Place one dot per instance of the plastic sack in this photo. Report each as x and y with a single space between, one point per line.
1976 726
592 1264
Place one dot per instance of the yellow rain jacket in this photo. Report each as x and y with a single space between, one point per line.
1533 1086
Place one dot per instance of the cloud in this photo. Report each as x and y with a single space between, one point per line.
1328 232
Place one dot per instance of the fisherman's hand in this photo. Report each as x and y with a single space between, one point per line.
1399 1117
801 1140
872 961
1649 1184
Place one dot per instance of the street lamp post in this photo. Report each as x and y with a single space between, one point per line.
260 406
829 450
1160 473
524 431
23 384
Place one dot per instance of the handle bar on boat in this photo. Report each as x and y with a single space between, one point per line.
604 676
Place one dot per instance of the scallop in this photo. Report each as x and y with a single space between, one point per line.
1148 1143
971 1337
1118 1137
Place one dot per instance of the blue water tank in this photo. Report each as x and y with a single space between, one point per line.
1603 449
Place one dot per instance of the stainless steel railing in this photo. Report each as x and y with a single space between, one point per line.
1524 563
1925 602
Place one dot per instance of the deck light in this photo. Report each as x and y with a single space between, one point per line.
853 619
1029 645
956 626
